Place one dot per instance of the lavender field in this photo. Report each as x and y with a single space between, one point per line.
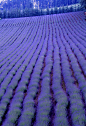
43 70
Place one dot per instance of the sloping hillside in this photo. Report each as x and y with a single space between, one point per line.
43 70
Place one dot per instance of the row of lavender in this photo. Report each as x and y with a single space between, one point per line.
56 44
14 63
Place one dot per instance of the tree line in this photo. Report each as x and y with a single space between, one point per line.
25 8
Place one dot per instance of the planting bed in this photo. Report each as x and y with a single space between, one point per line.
43 70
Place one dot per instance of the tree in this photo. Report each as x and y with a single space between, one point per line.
47 10
83 4
0 14
55 10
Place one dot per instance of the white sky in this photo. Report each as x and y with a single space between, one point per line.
1 0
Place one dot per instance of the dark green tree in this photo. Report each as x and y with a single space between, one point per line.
83 4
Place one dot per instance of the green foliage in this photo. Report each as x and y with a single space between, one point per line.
60 121
47 11
1 93
21 88
26 117
26 12
0 15
13 115
4 13
83 4
15 12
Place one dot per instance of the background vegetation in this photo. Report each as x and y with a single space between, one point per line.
26 8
